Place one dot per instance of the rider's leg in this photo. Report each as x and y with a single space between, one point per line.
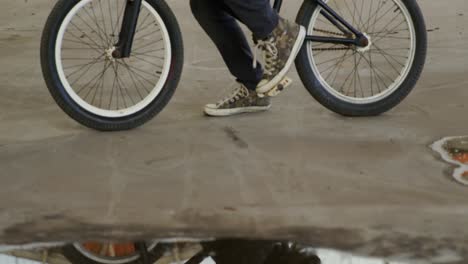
218 22
279 39
258 15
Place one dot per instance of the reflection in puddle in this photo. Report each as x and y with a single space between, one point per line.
454 150
213 252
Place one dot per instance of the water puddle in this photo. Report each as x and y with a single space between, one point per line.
454 150
211 252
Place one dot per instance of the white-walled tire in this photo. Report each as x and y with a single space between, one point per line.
91 86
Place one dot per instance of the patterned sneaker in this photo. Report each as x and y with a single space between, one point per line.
279 52
240 101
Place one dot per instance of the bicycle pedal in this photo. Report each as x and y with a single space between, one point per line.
275 91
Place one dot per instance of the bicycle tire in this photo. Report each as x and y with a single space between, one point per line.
81 115
331 102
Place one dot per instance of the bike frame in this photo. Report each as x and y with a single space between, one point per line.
353 36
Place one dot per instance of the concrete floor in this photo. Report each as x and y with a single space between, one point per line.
369 185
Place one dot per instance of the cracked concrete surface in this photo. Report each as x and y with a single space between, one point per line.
370 186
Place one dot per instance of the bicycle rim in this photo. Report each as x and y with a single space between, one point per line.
364 75
97 83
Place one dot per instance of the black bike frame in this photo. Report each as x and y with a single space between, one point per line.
341 24
123 48
132 10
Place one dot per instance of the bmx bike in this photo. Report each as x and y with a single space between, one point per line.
115 64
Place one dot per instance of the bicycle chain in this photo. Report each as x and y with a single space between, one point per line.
320 49
331 33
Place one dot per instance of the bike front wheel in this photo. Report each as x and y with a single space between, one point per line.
363 81
91 85
92 252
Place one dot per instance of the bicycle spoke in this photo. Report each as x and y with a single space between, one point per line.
95 20
100 74
332 66
133 69
105 39
119 18
131 75
93 87
370 12
105 24
111 19
120 86
329 60
356 67
82 74
147 45
146 27
378 19
391 20
338 65
382 72
100 85
389 55
96 60
375 16
94 48
339 68
346 80
338 10
148 62
148 34
112 94
387 32
142 23
85 35
390 32
358 23
146 54
349 10
360 82
361 14
79 40
143 71
137 77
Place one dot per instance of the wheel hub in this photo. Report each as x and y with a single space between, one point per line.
366 44
110 54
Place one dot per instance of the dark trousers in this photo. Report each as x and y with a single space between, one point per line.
218 19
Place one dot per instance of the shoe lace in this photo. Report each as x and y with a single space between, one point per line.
270 55
237 94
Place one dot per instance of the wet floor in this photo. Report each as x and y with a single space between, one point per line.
172 253
454 150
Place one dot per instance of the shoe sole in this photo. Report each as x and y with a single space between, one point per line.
297 47
280 87
235 111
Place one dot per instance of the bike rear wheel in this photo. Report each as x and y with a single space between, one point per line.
363 81
96 89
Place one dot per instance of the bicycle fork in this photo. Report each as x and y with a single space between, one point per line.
123 47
